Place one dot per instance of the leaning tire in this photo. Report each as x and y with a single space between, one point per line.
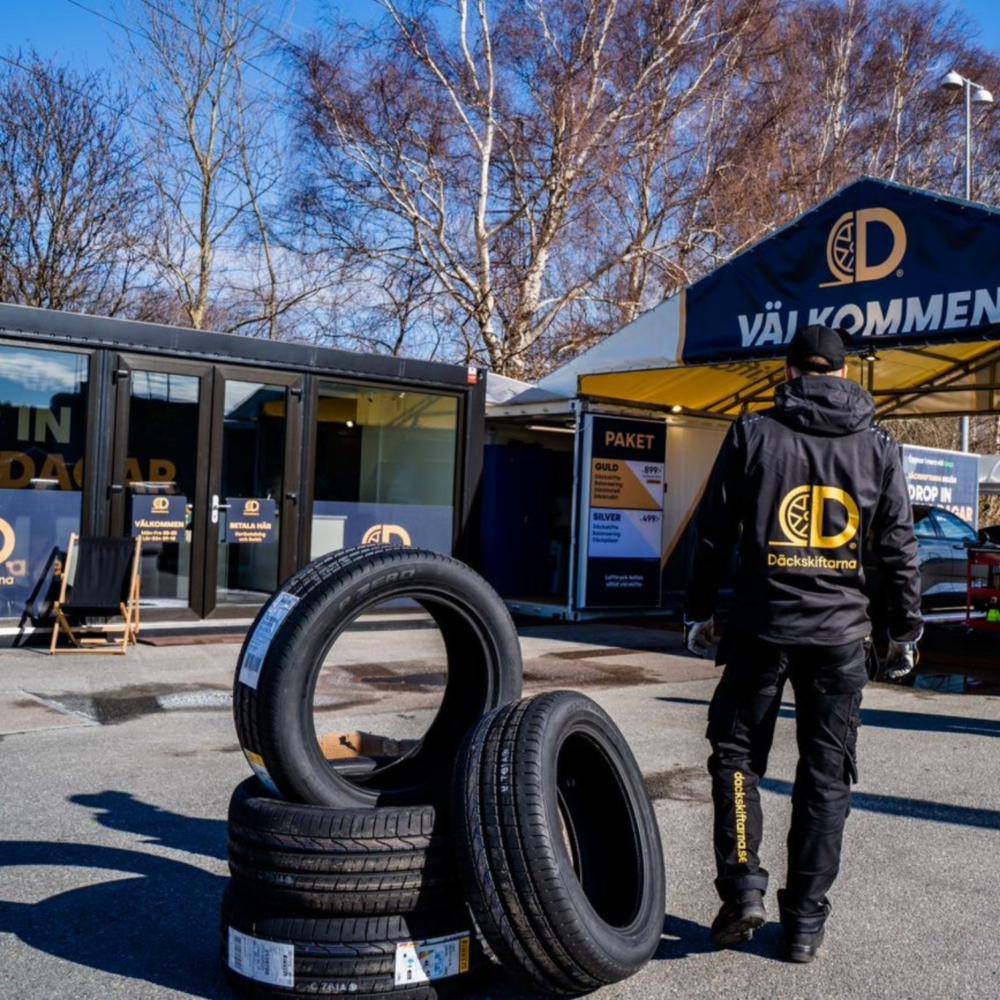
268 952
284 652
339 861
559 845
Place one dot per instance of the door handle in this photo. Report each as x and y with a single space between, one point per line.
294 497
216 507
115 488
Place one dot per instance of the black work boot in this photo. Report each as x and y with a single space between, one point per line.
801 946
803 933
738 918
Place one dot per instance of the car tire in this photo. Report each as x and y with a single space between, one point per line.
339 861
284 651
268 952
559 845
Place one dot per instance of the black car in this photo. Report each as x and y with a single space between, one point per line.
990 534
943 541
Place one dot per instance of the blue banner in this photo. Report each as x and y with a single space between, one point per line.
33 525
886 263
159 519
947 479
339 525
251 521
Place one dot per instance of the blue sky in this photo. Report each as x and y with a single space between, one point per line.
62 30
67 32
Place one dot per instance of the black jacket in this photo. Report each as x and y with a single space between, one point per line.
807 481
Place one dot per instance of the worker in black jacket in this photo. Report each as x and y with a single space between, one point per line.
798 488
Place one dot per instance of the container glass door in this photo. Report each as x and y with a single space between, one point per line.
254 491
205 469
160 476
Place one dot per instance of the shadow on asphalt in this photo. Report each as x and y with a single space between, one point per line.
157 921
122 811
893 805
891 719
684 938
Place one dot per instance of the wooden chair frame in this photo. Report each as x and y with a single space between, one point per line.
97 638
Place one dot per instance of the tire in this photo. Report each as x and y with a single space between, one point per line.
306 956
558 845
339 861
284 652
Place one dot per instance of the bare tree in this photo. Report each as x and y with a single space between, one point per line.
215 131
70 204
840 90
491 146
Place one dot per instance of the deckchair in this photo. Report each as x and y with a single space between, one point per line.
100 580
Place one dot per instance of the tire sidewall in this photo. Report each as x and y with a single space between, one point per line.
633 945
290 670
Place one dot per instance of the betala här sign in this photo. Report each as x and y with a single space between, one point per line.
251 521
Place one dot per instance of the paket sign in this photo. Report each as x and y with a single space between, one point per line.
623 511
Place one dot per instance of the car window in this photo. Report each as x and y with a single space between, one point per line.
952 527
923 524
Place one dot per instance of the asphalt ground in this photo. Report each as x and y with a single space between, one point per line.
115 775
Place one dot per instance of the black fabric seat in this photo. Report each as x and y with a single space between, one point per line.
105 583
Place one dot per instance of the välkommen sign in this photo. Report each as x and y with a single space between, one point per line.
881 261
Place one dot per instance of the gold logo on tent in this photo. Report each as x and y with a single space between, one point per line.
847 247
800 517
383 534
7 540
251 507
160 504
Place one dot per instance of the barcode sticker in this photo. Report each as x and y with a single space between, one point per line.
263 961
437 958
263 632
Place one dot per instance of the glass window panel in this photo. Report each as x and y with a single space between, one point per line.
923 523
954 528
385 468
163 461
253 460
43 425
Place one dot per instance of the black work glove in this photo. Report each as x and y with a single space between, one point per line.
901 658
699 638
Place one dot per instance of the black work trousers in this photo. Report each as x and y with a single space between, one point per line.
828 682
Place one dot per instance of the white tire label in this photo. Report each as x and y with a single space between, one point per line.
263 961
257 763
263 632
437 958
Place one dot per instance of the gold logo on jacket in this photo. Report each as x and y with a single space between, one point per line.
800 517
847 247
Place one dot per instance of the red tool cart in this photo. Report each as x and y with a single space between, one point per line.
983 589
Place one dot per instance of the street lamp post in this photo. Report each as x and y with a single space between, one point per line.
955 81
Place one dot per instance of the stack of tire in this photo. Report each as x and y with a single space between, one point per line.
520 828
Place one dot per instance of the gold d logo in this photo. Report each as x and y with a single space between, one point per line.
251 507
7 540
847 246
383 534
161 504
801 517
